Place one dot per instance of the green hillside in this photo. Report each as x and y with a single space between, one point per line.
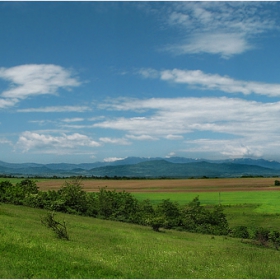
106 249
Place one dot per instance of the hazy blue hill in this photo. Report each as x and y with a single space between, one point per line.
19 165
257 162
175 167
162 168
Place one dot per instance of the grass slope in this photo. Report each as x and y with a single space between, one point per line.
106 249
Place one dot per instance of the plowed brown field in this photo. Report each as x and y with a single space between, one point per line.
172 185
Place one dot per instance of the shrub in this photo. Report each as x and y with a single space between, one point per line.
240 232
156 222
274 237
262 236
170 212
145 211
196 218
72 197
4 185
58 228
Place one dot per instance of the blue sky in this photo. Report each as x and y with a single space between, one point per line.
100 81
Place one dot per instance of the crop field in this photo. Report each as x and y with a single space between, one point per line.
170 185
227 191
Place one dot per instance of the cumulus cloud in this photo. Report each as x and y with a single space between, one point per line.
34 79
207 81
223 28
47 143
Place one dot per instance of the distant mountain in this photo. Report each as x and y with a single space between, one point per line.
175 167
163 168
258 162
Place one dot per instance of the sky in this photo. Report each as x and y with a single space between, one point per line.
101 81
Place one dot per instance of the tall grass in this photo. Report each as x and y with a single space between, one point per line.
106 249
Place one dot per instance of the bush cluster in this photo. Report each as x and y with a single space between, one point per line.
118 206
123 206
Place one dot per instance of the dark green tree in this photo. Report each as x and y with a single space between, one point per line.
170 212
72 196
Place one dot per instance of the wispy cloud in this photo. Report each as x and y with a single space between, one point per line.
141 137
112 159
34 79
69 120
224 28
221 43
240 123
47 143
207 81
5 141
234 148
117 141
174 137
55 109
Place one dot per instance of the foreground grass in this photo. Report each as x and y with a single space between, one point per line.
106 249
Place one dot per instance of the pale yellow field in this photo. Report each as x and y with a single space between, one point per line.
170 185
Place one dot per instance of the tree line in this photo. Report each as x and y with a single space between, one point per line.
117 206
124 207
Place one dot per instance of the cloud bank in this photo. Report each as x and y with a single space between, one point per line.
234 126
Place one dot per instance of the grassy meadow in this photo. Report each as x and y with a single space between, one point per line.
106 249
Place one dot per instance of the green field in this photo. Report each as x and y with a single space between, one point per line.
106 249
267 201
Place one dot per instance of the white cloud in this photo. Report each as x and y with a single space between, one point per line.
174 137
112 159
34 79
141 137
4 103
233 148
216 43
55 109
224 28
46 143
207 81
5 141
67 120
178 116
117 141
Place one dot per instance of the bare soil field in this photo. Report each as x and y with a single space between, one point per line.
170 185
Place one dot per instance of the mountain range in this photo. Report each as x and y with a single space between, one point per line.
173 167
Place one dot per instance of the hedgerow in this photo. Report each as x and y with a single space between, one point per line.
123 206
